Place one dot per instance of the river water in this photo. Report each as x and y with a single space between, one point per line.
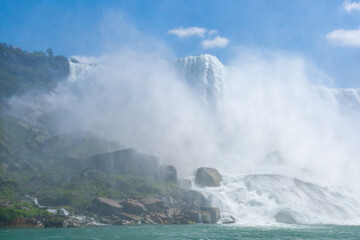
199 231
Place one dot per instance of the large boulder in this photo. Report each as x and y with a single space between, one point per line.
125 161
285 217
207 177
106 206
190 199
193 215
133 206
210 214
153 204
205 217
167 173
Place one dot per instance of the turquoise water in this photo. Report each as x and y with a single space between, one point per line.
175 232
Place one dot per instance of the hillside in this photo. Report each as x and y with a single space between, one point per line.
21 70
39 163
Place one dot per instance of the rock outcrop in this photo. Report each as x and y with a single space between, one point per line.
125 161
207 177
106 206
133 206
210 214
77 222
23 222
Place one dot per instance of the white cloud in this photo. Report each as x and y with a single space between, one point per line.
217 42
188 32
350 38
212 32
349 6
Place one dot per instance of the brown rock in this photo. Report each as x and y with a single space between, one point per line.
160 218
22 222
205 217
133 206
173 212
153 204
207 177
106 206
129 217
193 215
212 212
147 220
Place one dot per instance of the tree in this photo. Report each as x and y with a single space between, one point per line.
50 52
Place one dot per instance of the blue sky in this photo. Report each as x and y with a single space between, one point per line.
325 32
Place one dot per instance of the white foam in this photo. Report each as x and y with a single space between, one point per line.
257 199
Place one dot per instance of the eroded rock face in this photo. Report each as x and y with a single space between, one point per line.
125 161
205 217
106 206
207 177
190 199
193 215
210 214
133 206
153 204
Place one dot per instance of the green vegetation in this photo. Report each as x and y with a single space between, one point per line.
91 183
9 213
21 70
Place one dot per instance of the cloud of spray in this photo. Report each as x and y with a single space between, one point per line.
277 116
271 117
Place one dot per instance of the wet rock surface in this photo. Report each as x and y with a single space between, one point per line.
207 177
210 214
133 206
106 206
182 208
22 222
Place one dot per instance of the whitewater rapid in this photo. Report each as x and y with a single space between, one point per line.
268 199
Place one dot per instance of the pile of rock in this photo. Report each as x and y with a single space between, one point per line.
183 206
153 210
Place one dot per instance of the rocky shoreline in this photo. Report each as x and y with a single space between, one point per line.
179 205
